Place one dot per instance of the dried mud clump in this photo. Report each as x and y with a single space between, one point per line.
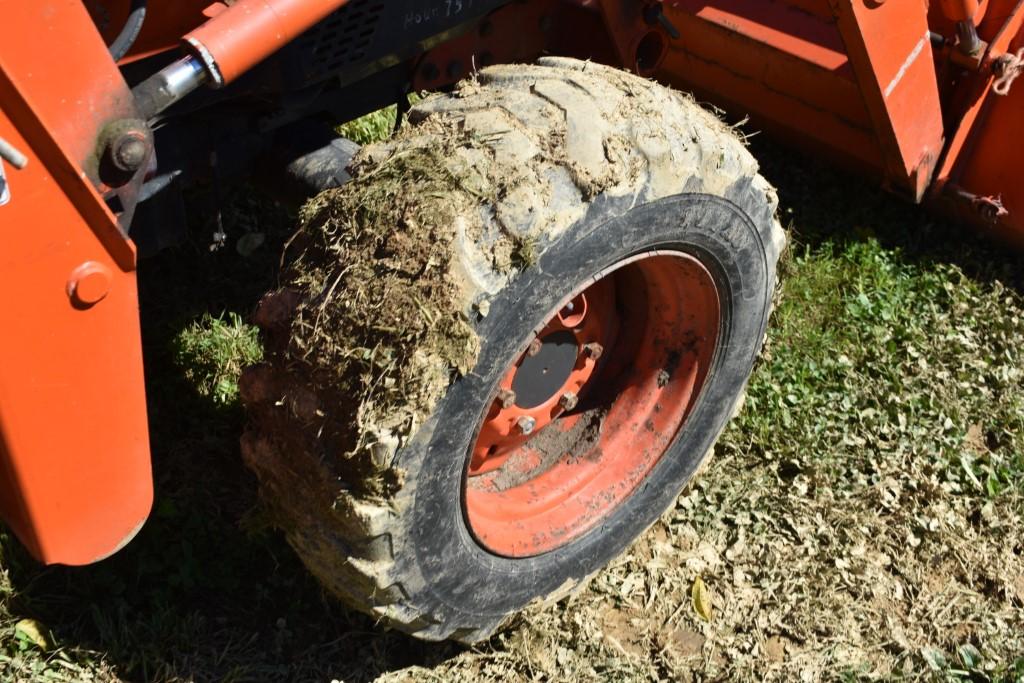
374 310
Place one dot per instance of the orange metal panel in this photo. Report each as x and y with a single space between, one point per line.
60 89
996 17
75 481
994 166
818 8
943 25
959 10
980 171
511 34
166 22
798 121
807 37
626 27
890 49
782 65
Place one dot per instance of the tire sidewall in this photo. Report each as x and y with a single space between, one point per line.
461 582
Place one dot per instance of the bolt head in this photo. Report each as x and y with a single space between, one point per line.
129 151
593 350
525 425
89 284
568 401
534 348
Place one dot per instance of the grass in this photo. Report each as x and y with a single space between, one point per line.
372 127
862 518
212 352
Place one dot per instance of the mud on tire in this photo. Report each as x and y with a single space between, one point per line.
409 291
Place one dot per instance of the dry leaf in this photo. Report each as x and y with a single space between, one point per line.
34 632
701 599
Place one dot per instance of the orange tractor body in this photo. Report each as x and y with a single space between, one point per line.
919 96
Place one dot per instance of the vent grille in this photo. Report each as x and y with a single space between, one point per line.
343 38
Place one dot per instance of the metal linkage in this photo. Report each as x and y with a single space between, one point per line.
969 43
169 85
228 45
989 208
1007 67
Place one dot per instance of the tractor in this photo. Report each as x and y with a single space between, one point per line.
505 339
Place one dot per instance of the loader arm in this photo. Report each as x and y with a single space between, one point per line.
75 482
75 476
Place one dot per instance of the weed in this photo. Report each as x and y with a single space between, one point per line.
212 352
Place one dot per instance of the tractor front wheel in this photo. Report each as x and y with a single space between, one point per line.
506 346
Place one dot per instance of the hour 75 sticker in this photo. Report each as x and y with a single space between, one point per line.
426 12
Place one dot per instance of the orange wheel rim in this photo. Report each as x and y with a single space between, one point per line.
593 403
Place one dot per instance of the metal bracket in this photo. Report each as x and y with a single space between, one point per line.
5 191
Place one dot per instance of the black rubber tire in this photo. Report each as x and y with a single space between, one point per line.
410 560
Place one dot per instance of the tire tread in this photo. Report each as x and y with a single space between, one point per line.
595 125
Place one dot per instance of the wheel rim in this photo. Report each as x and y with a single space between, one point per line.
592 404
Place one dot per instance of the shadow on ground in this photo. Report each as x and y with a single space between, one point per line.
820 204
208 591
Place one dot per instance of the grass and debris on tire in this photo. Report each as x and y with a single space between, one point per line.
392 275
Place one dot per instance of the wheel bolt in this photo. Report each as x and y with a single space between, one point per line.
534 348
593 350
506 398
526 425
568 400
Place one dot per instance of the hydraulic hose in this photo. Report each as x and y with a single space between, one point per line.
124 41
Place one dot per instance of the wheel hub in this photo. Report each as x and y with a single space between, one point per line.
546 381
596 398
540 376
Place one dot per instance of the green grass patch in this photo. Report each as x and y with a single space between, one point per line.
213 351
872 351
375 126
372 127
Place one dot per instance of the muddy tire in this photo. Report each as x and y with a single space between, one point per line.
548 181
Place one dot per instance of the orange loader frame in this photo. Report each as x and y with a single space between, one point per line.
920 96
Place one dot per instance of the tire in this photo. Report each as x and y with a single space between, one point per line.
605 167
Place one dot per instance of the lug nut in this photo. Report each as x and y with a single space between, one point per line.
534 348
593 350
506 398
526 425
568 400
